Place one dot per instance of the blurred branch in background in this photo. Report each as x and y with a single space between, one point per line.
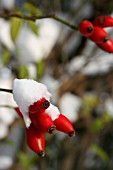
76 72
7 15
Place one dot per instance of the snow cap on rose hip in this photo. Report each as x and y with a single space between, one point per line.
53 112
25 93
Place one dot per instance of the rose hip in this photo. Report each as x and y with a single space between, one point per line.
86 28
63 124
99 35
107 46
103 21
39 106
35 140
43 122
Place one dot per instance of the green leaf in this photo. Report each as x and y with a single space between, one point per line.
23 72
27 161
10 142
98 123
89 102
33 27
31 9
40 68
15 27
100 152
5 55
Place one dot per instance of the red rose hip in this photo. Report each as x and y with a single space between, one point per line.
39 106
103 21
63 124
43 122
86 28
35 140
99 35
107 46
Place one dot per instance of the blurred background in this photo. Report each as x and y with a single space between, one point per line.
77 73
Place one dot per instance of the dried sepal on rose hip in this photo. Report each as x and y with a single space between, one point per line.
86 28
103 21
37 109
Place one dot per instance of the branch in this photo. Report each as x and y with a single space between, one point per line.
7 106
6 90
35 17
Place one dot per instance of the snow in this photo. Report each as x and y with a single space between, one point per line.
100 64
69 105
109 106
52 84
26 92
5 36
7 115
7 4
53 112
3 130
33 48
76 64
5 162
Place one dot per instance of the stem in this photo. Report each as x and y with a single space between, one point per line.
6 90
35 17
7 106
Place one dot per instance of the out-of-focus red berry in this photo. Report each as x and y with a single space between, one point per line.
86 28
103 21
107 46
99 35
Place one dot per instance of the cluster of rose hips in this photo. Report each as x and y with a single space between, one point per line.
42 123
95 32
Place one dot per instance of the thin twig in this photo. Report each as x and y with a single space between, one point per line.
35 17
6 90
7 106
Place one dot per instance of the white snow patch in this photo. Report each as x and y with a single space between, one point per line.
76 64
52 84
5 162
69 105
26 92
109 106
33 48
3 130
7 115
7 4
32 71
53 112
99 65
5 36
